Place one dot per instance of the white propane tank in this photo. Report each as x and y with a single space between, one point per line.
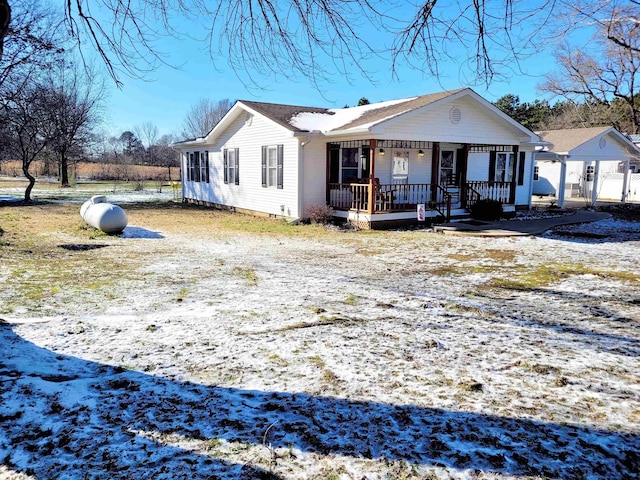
103 215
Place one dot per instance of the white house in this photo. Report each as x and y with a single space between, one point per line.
373 164
589 163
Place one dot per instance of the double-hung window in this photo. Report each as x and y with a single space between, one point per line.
194 167
204 167
503 167
231 166
272 166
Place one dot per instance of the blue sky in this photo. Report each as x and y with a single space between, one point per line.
168 93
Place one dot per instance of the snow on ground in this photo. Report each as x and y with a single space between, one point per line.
357 356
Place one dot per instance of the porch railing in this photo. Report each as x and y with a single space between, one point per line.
500 191
383 198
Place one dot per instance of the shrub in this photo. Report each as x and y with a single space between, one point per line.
322 214
486 209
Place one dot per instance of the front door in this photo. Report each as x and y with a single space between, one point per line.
448 168
449 178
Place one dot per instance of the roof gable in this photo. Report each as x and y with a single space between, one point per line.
567 139
574 140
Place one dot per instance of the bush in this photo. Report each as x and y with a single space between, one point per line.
322 214
486 209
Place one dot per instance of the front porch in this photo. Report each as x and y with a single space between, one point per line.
377 198
385 180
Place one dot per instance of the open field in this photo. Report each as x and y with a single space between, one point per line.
202 344
93 171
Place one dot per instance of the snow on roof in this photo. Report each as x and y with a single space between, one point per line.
335 118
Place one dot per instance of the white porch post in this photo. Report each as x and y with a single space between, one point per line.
594 191
563 182
625 182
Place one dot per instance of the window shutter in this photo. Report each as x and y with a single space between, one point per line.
521 169
189 164
280 166
492 166
196 156
237 166
226 166
264 166
206 161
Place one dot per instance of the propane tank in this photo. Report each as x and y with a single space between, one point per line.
103 215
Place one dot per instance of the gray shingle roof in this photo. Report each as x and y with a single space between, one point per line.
379 114
282 114
567 139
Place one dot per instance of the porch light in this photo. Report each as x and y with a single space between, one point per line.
381 151
420 153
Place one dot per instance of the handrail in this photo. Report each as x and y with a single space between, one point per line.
446 202
471 199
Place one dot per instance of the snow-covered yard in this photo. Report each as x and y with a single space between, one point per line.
189 348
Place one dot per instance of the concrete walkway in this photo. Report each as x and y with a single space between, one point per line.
509 228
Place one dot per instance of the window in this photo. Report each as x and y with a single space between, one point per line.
196 166
272 166
521 163
349 165
231 166
193 170
504 167
204 167
400 166
590 173
536 173
188 159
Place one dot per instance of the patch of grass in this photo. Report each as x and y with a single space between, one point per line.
351 299
331 378
369 252
538 368
458 307
317 361
470 386
277 359
182 294
544 275
462 257
247 274
445 271
500 255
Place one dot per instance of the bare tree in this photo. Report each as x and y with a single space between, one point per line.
24 119
317 39
148 133
163 155
72 110
5 19
203 116
33 39
604 76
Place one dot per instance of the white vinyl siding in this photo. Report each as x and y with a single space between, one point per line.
249 138
477 125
